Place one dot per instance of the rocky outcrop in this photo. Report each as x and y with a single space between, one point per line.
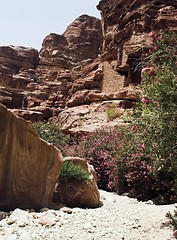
29 166
126 25
38 85
82 40
79 194
91 62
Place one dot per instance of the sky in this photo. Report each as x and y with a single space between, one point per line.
27 22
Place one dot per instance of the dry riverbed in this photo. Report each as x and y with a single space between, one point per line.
120 218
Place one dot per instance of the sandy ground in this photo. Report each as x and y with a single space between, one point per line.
120 218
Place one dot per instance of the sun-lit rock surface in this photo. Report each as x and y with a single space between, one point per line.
29 166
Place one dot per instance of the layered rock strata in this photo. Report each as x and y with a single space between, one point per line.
126 25
89 63
38 85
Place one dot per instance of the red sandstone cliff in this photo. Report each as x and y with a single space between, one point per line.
86 68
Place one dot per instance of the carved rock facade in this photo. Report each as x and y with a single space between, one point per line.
126 25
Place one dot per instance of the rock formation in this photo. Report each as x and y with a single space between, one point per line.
74 79
29 166
126 25
81 41
79 194
91 63
38 85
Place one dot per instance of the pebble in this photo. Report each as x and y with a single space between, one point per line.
119 218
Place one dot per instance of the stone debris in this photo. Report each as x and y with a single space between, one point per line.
119 218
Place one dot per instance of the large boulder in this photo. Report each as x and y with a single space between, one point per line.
79 194
29 166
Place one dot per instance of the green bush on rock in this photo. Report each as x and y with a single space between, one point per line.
73 172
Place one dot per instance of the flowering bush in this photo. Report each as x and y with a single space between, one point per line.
156 114
100 149
140 159
172 221
126 160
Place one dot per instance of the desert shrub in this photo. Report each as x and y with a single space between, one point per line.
172 221
113 113
156 114
73 172
51 133
101 149
140 159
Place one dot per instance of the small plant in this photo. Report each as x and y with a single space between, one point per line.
172 221
73 172
80 122
112 113
51 133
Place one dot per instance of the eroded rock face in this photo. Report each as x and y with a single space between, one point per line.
75 194
38 85
29 166
84 37
82 40
126 25
69 71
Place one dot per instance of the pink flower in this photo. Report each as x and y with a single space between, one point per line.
151 34
149 167
144 100
158 38
169 221
175 63
158 104
175 234
155 48
143 146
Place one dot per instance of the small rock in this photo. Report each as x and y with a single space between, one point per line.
3 215
46 220
150 202
66 210
20 217
11 221
44 210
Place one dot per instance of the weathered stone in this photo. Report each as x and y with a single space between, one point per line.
88 63
126 25
29 166
85 97
81 41
20 217
19 57
34 116
76 194
48 219
84 37
88 118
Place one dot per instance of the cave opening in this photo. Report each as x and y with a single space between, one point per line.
134 61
